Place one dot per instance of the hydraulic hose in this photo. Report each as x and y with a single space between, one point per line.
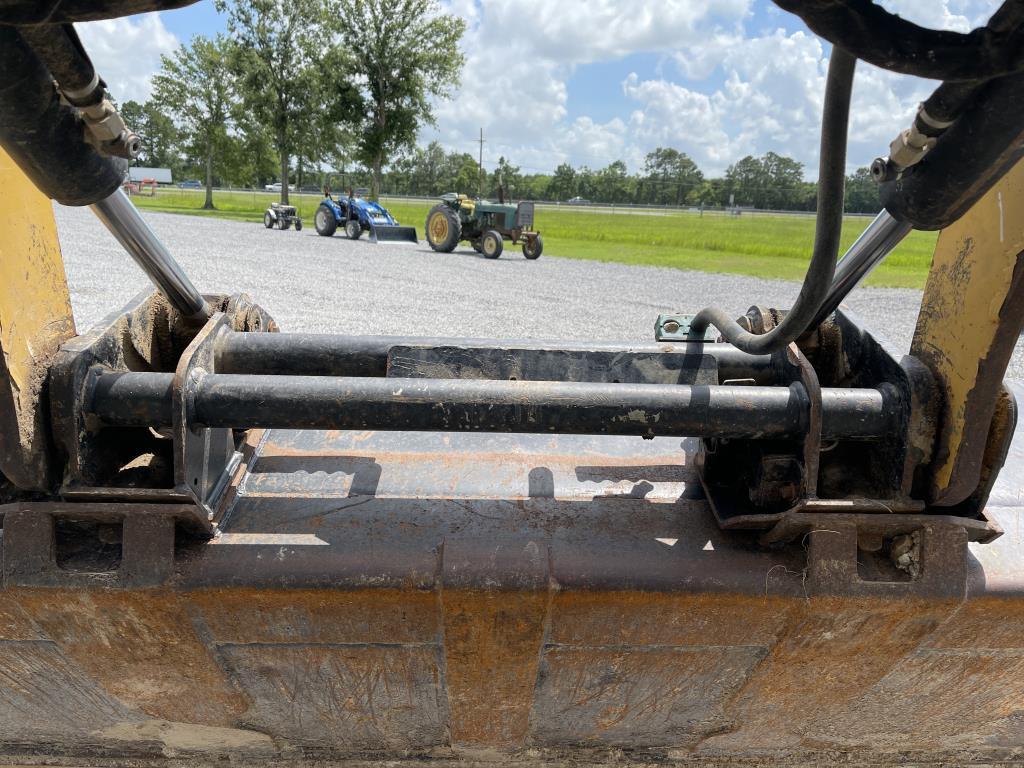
879 37
43 135
828 225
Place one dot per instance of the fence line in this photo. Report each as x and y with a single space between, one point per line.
262 195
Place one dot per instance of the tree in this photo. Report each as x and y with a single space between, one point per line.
670 176
785 182
465 174
613 184
282 58
862 192
535 187
193 85
160 137
563 183
586 183
774 182
506 180
428 167
405 54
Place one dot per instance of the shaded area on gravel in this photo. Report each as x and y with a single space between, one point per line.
316 284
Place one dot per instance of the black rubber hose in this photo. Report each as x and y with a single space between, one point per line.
62 52
884 39
828 225
67 11
44 136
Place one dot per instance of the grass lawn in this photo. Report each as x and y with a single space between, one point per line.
752 244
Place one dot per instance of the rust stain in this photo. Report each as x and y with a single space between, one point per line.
503 670
832 652
318 616
643 618
140 646
492 641
15 624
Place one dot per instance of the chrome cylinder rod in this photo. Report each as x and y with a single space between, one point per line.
882 235
125 223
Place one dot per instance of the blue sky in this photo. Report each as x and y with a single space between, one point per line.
594 81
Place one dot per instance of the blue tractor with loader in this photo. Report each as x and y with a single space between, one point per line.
356 215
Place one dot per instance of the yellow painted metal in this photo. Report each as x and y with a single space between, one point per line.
35 318
971 316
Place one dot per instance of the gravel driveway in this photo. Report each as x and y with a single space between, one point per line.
311 283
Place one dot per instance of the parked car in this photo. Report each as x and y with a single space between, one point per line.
190 184
311 189
275 187
577 201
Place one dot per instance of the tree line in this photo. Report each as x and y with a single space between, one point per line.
669 177
294 89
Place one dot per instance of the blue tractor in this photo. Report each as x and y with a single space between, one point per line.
356 215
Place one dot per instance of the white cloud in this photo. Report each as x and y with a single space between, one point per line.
733 91
724 90
520 55
126 52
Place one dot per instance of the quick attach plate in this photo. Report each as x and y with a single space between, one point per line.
185 466
677 328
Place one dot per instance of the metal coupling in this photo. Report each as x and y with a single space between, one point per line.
105 129
910 146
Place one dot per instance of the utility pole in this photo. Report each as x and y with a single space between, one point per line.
480 175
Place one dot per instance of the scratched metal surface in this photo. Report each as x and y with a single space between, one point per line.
512 511
444 599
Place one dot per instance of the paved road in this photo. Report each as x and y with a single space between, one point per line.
310 283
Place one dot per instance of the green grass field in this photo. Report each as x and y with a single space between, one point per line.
753 244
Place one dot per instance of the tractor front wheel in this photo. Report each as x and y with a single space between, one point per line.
298 225
492 244
353 229
444 230
533 247
324 221
477 245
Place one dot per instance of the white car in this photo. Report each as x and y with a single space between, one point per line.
275 187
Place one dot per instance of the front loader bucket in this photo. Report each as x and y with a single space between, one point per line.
393 233
428 598
453 597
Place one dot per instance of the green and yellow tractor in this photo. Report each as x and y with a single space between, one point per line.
484 225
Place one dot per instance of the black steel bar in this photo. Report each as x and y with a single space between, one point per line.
313 354
432 405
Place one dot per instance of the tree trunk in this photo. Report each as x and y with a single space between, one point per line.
378 161
284 177
208 205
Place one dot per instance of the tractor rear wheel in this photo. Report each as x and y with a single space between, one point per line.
492 244
268 220
533 247
324 221
444 230
284 223
353 229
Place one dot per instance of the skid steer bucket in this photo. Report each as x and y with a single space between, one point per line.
224 544
434 598
390 233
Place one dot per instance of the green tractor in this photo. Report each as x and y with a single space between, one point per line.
484 225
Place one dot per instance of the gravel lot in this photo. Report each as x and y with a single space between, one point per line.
311 283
